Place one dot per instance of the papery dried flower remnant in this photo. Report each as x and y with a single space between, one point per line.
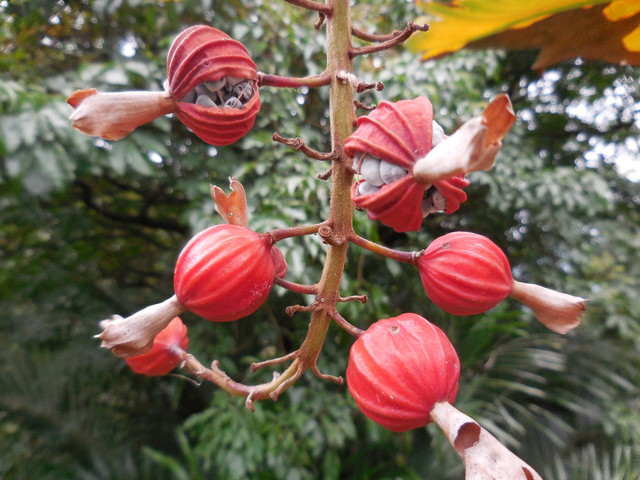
472 147
114 115
134 335
484 457
558 311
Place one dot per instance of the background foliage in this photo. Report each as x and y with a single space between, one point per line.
90 228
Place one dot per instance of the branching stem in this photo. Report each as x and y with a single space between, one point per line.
296 287
299 144
323 8
314 81
391 42
405 257
288 232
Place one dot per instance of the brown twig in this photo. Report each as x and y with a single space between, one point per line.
320 22
354 298
311 5
362 106
299 144
390 43
278 234
296 287
313 81
344 324
358 85
405 257
373 37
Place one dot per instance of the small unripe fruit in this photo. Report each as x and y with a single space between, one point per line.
399 369
164 355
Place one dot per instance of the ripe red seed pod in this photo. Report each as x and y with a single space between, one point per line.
464 273
212 87
215 83
225 272
164 355
399 369
385 147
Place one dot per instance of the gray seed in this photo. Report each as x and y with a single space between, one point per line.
234 80
243 91
215 86
205 101
390 172
189 97
370 170
233 102
202 90
438 134
434 203
365 188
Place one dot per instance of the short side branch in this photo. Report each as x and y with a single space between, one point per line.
342 322
390 43
405 257
311 5
314 81
299 144
357 85
296 287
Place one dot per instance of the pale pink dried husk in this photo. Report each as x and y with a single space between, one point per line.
114 115
484 457
559 312
134 335
472 147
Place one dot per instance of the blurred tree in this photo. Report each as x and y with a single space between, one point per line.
90 228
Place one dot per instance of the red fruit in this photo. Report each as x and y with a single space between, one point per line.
164 356
464 273
201 56
399 369
225 272
394 136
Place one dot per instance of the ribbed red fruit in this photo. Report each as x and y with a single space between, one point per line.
225 272
399 369
164 355
464 273
391 139
205 62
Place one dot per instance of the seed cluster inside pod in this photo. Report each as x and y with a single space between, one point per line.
215 83
229 92
376 173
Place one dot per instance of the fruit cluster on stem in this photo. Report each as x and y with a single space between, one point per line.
403 372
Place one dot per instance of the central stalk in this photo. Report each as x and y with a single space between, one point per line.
342 118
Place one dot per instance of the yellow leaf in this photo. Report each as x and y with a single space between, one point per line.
454 25
619 9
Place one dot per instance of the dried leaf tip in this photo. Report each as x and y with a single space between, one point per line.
233 207
559 312
472 147
114 115
134 335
